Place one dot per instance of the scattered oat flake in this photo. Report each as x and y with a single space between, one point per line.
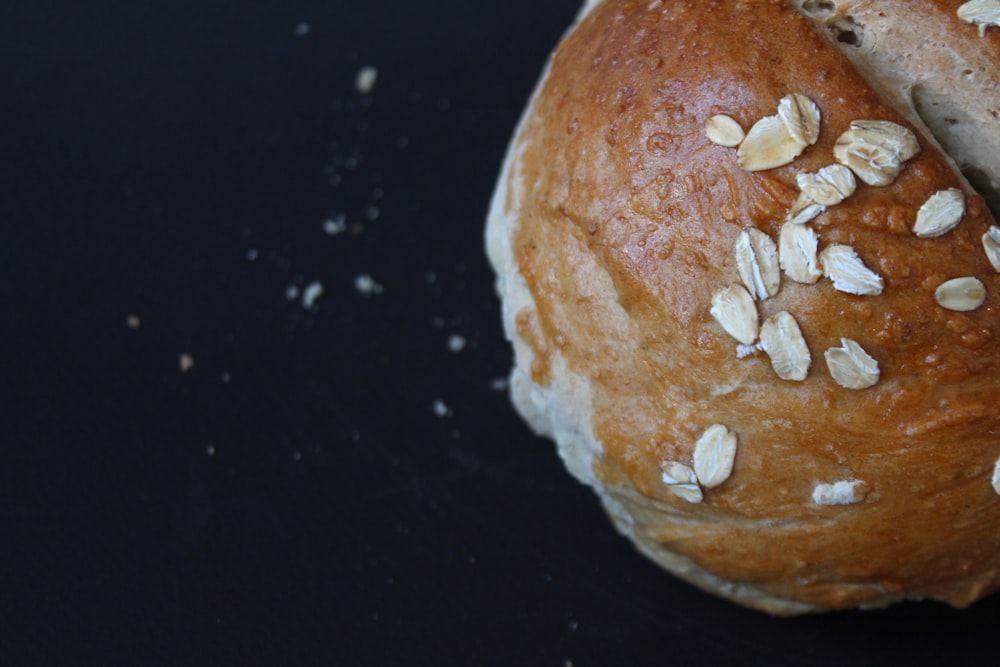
991 244
850 366
776 140
456 343
827 187
841 264
838 493
185 362
366 285
714 455
797 245
801 115
365 80
781 339
734 309
132 322
723 130
982 13
940 214
757 263
996 477
767 145
682 481
311 293
961 294
875 150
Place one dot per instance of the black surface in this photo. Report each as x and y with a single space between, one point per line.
294 498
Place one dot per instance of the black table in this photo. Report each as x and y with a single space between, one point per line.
206 461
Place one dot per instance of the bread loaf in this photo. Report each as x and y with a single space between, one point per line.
753 290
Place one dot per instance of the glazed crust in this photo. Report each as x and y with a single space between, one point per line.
614 224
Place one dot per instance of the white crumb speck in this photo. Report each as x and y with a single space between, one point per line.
743 351
437 322
225 377
430 277
402 142
210 450
311 293
456 343
838 493
185 362
335 225
252 254
499 384
366 285
372 213
440 408
296 455
365 80
132 321
302 29
292 292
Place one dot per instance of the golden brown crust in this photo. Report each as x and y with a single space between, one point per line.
625 221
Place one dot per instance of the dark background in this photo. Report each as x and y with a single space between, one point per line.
329 484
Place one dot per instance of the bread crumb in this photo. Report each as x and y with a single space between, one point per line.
366 285
335 225
499 384
441 409
210 450
311 293
185 362
252 254
132 321
365 80
292 292
456 343
372 213
302 29
225 377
